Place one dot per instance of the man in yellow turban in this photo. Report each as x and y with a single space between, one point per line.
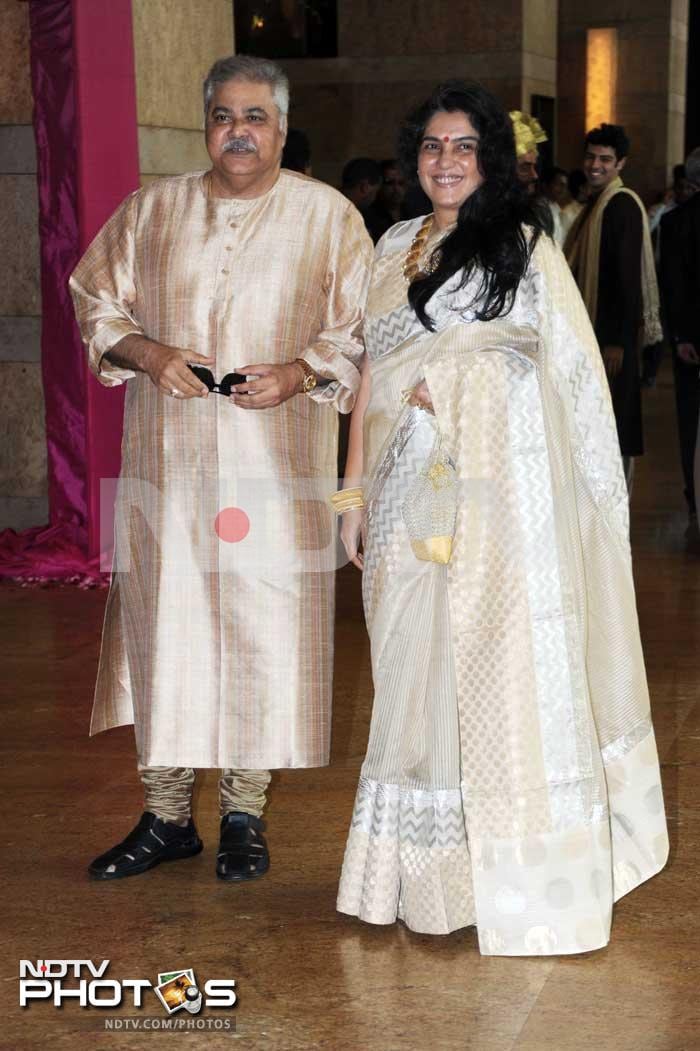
528 134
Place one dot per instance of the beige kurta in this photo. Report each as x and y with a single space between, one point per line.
220 650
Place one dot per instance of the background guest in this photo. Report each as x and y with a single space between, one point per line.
388 206
578 188
392 190
528 133
296 155
679 274
610 253
360 183
555 188
680 191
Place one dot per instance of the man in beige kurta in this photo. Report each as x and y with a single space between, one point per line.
218 633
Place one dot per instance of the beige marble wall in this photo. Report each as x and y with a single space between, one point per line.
23 496
175 43
650 98
390 56
353 108
427 27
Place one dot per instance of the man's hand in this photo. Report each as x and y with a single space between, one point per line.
274 384
612 359
166 367
351 535
688 354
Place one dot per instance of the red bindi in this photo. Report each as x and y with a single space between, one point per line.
445 138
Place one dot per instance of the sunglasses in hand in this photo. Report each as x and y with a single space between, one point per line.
232 379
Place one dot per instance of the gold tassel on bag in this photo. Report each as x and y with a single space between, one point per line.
430 507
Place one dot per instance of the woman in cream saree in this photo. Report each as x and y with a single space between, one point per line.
511 779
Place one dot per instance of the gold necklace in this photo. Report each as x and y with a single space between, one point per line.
411 264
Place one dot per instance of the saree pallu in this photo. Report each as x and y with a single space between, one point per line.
511 779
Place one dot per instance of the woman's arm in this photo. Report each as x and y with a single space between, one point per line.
351 521
354 462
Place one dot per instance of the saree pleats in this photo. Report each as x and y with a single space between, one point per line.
409 853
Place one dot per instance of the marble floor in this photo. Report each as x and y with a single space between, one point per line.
306 977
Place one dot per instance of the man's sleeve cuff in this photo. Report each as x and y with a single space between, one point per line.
105 339
338 379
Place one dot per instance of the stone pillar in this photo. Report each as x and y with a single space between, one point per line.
539 44
650 95
175 43
23 486
676 146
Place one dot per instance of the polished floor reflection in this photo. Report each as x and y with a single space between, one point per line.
306 977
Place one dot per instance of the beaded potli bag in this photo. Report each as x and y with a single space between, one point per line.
415 453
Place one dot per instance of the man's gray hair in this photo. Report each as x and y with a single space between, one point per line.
247 67
692 167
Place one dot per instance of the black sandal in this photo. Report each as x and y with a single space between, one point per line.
151 842
243 852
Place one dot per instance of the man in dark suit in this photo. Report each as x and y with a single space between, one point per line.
679 272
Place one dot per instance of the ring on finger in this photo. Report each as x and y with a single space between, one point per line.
175 393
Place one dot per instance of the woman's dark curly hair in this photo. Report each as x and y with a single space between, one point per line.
489 235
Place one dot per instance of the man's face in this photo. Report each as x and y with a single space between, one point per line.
683 190
526 169
367 193
601 166
243 136
393 187
558 189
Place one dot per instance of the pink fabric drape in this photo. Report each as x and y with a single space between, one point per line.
85 126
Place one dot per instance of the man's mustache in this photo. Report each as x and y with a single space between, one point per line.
240 145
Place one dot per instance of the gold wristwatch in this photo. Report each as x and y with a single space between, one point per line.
310 379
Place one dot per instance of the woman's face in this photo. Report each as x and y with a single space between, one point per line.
448 168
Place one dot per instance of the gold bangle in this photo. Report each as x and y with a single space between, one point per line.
347 500
349 507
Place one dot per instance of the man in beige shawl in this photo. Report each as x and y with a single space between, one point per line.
610 253
217 642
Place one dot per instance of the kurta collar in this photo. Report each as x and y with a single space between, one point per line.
241 204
